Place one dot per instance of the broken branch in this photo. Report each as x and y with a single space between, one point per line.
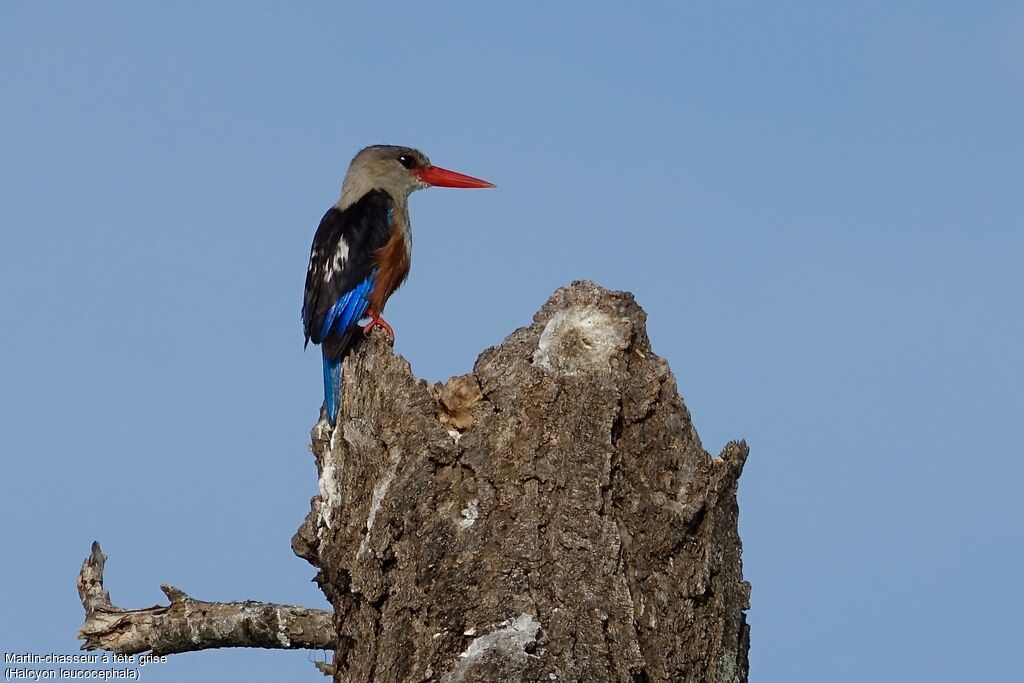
187 624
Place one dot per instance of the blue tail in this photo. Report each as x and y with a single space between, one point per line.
332 387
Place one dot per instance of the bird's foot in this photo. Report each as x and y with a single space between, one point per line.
377 321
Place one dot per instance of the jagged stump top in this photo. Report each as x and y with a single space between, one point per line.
550 516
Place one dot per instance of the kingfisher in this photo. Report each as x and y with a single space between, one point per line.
362 251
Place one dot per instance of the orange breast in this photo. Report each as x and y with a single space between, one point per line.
392 264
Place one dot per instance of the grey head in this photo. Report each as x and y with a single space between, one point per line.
384 167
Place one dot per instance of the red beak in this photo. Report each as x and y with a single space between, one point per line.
442 177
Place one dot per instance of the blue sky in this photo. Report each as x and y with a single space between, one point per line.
819 205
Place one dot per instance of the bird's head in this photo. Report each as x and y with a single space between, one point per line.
399 171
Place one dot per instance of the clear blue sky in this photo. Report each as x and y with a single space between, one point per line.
820 206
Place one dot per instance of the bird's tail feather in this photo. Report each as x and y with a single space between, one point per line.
332 386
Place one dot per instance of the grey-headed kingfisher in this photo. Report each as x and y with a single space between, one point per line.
361 252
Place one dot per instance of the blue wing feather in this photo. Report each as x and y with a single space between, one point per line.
348 309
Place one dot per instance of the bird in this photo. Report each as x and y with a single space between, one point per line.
362 251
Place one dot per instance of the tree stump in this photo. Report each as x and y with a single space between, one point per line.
550 516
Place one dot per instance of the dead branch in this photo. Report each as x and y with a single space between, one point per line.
187 624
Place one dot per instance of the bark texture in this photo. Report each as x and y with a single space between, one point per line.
550 516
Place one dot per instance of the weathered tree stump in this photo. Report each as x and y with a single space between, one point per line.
551 516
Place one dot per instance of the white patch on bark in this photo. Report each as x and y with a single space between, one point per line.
379 491
330 495
510 640
581 339
282 626
469 515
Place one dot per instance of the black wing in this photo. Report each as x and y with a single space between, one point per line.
342 256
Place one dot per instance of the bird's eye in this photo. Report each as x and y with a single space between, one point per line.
407 160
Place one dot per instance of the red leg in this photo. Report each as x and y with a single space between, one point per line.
377 321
